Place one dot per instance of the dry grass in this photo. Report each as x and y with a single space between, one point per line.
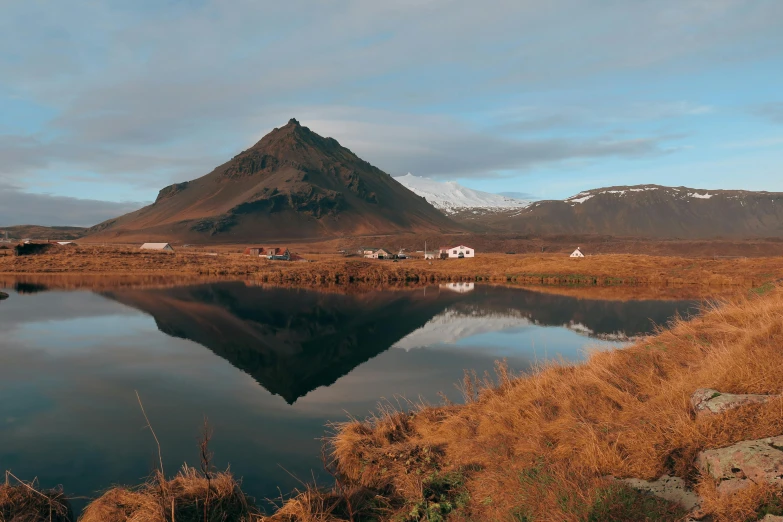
181 499
549 269
540 447
24 502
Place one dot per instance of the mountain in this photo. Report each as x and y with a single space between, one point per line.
41 232
453 198
292 184
650 211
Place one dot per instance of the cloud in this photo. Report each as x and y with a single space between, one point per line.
770 111
442 148
148 93
524 196
21 208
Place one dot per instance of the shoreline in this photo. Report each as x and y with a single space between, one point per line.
548 443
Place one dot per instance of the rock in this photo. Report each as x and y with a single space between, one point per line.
668 488
706 401
741 464
771 518
3 295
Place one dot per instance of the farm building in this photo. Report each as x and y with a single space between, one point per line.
278 254
157 246
377 253
459 252
577 253
255 251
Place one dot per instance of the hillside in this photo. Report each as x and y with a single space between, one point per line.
40 232
293 183
648 211
450 197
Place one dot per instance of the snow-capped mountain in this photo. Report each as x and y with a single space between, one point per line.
650 211
451 197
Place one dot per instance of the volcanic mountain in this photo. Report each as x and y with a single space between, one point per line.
292 184
650 211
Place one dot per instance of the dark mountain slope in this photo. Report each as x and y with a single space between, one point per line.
650 211
293 183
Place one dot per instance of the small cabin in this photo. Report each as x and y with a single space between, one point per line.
457 252
278 254
161 247
577 253
254 251
377 253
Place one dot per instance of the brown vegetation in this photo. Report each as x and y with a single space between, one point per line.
546 269
188 497
24 502
541 447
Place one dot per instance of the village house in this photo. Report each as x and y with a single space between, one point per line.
254 251
166 247
377 253
457 252
278 254
577 253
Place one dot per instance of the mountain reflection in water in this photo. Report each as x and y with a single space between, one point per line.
292 341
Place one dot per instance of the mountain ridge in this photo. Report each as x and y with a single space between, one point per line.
652 211
293 183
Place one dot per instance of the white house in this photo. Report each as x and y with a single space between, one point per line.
377 253
456 252
157 246
577 253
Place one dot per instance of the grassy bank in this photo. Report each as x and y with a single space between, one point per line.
541 447
544 446
549 269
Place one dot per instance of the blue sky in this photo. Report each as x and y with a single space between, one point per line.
102 103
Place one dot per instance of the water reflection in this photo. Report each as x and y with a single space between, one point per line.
294 341
71 360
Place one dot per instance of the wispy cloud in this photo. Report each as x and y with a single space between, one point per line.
22 208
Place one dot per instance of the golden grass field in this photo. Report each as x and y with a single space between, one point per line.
547 269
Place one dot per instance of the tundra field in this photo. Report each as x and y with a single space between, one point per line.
546 269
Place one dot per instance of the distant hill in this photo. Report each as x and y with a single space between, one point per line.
292 184
451 197
649 211
39 232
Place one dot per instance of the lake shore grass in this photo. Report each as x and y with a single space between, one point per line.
546 445
533 269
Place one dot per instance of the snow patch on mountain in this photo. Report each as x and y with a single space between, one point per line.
451 197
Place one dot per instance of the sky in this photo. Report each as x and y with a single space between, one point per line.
105 102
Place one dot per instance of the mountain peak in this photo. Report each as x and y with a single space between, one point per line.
293 121
451 197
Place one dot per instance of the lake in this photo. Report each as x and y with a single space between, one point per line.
269 367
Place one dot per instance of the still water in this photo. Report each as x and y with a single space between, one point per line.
269 367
